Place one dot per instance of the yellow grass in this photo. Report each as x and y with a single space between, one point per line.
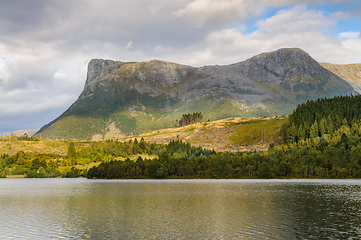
233 134
15 176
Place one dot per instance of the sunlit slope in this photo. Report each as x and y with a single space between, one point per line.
232 134
349 72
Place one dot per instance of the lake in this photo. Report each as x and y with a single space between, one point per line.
180 209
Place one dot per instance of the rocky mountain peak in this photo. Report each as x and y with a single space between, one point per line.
156 72
284 58
142 96
96 69
288 67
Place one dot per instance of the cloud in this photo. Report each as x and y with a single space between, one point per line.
201 13
217 12
348 35
129 45
296 19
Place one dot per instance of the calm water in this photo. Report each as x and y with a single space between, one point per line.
180 209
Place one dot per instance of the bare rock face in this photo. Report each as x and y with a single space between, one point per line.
97 70
159 72
292 69
163 74
143 96
280 65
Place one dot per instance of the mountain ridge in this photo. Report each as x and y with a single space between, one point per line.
125 98
349 72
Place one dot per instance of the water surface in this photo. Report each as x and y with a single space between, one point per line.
180 209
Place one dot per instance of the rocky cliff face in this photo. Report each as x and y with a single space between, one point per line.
134 97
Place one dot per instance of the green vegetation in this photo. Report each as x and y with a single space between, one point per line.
323 118
321 139
258 130
180 160
190 118
79 157
328 146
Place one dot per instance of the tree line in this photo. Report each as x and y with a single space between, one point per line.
338 158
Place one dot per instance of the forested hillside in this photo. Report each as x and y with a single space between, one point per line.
323 117
321 140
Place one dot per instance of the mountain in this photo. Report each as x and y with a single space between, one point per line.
126 98
349 72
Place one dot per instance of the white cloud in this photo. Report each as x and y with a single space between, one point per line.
202 13
230 46
217 12
296 19
129 45
354 45
348 35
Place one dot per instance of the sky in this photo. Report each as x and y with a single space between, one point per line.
45 46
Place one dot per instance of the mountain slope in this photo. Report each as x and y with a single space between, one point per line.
349 72
125 98
231 134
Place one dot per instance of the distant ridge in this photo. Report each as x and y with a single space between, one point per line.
126 98
349 72
20 133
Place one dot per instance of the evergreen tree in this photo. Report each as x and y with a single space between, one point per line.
301 133
71 150
329 125
314 130
322 126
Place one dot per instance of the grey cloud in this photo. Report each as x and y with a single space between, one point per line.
10 123
19 17
24 74
70 24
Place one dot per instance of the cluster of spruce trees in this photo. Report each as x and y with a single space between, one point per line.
323 116
190 118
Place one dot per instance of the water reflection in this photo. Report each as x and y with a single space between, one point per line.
180 209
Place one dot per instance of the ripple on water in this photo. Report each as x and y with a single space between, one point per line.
180 209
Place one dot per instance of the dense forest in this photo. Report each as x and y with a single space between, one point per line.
321 117
340 159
